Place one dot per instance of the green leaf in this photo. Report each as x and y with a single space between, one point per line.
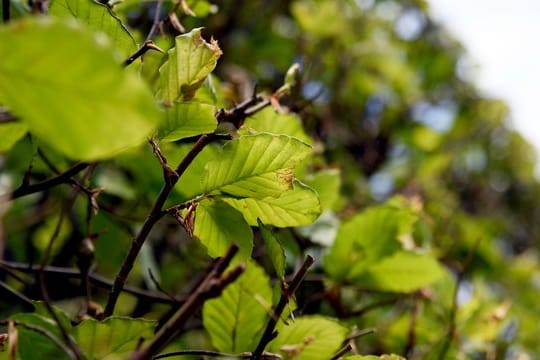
31 342
217 225
112 338
189 185
402 272
98 17
10 133
310 338
268 120
236 319
190 62
367 238
187 119
327 183
255 166
94 109
296 207
274 248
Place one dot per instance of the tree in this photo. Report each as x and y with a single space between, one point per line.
297 179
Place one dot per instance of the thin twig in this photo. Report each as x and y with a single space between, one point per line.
156 21
94 279
341 352
22 299
46 333
65 177
212 286
41 280
148 45
286 294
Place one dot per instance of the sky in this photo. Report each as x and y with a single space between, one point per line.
502 39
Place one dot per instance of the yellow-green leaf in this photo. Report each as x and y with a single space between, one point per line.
255 166
236 319
187 119
295 207
309 338
94 109
98 17
189 63
217 226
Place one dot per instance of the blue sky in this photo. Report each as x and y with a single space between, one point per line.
502 38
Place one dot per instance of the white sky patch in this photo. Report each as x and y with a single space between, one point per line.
501 37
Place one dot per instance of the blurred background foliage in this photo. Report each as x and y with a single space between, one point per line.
387 95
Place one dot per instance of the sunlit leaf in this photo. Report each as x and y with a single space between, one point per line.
10 133
296 207
218 225
190 62
309 338
98 17
94 108
112 338
255 166
185 119
275 250
327 183
190 184
236 319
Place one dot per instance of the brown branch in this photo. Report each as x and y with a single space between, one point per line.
286 293
96 280
156 213
212 286
62 178
341 352
236 114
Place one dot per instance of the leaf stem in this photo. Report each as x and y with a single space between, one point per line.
286 293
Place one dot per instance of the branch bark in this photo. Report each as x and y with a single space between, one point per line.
286 293
211 286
